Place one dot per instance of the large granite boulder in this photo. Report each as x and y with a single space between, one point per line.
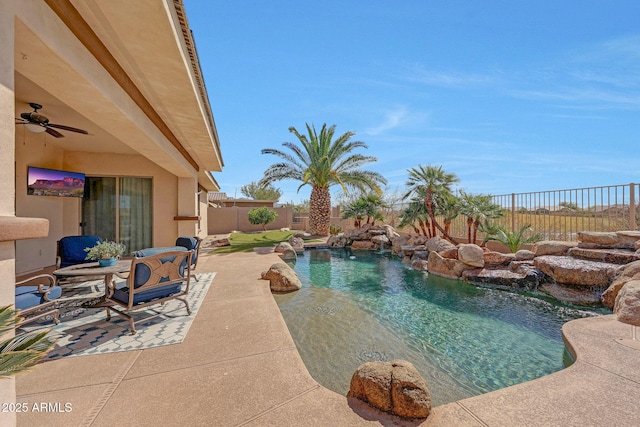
612 255
552 247
471 254
626 274
420 264
285 250
395 387
339 241
497 258
297 244
390 232
362 244
627 307
528 279
380 240
438 244
397 242
445 267
282 278
598 238
628 239
524 255
417 240
576 272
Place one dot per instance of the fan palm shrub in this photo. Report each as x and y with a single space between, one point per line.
23 351
514 241
320 161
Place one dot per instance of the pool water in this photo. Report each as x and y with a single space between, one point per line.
362 306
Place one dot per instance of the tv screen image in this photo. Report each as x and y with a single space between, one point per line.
52 182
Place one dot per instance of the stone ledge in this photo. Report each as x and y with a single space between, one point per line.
18 228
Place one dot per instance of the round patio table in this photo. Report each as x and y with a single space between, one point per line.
94 269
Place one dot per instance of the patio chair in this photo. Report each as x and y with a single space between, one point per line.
71 249
153 279
37 295
191 243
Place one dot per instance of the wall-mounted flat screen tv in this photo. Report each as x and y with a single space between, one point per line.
52 182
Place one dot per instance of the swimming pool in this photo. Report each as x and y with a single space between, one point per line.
362 305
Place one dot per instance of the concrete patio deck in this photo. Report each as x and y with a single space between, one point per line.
239 366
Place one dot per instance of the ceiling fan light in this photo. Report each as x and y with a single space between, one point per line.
35 127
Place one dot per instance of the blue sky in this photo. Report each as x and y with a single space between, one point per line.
512 96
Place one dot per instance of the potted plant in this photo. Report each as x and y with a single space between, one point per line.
106 252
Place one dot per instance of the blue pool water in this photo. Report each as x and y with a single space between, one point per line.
360 306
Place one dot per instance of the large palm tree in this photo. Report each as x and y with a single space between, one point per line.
321 162
435 183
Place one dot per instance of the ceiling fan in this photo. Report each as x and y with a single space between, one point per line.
36 122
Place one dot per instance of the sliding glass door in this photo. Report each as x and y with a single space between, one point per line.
119 209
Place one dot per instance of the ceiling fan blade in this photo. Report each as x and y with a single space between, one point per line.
69 128
20 121
55 133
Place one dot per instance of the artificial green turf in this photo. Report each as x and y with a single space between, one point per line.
245 242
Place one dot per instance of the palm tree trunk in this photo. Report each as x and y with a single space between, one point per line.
476 225
421 223
434 223
469 225
320 211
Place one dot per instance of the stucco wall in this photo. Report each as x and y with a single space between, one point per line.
64 213
225 220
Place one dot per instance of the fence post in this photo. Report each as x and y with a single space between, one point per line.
513 212
632 207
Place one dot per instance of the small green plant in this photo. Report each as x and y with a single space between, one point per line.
262 216
21 352
514 240
105 250
334 229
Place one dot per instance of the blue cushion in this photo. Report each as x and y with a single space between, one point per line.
121 293
153 251
28 296
189 243
72 249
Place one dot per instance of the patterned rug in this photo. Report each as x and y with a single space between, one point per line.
85 330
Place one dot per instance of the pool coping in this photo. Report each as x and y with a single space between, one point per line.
239 366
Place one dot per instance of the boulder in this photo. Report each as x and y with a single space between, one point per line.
380 239
612 255
285 250
408 250
419 264
362 244
445 267
338 241
220 242
417 240
378 231
528 279
296 243
417 255
390 231
576 272
471 254
395 387
397 242
282 278
524 255
497 258
552 247
626 274
627 307
628 239
449 253
598 238
438 244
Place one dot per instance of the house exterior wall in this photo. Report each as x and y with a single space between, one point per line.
64 213
7 184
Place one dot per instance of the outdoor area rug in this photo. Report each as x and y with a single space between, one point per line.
84 331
